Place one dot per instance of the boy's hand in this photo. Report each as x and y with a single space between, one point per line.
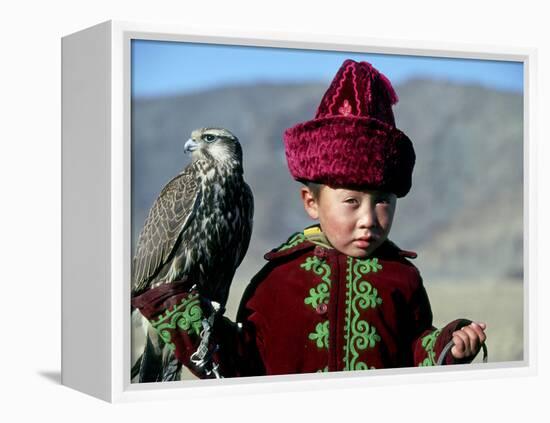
468 340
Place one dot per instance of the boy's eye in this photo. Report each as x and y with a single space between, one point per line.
350 201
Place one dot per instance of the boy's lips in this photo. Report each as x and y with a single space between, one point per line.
364 241
368 238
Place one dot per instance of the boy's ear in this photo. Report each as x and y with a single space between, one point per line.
310 203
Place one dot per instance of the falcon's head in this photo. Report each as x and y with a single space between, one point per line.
215 144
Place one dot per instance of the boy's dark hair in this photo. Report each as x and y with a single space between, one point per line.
315 188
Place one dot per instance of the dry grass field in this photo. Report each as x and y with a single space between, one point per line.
498 304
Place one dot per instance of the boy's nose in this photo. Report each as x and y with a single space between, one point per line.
367 219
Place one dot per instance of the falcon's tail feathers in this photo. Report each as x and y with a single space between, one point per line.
150 363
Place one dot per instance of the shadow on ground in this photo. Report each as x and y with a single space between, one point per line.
53 376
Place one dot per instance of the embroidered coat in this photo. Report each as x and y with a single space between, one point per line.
311 309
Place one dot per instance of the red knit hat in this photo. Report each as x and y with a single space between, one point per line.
353 141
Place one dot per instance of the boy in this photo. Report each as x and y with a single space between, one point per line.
339 295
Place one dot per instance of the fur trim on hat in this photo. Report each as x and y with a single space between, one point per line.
351 152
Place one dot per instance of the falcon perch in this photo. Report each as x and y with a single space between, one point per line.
200 225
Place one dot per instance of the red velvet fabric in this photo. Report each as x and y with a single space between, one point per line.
277 330
351 152
353 141
358 89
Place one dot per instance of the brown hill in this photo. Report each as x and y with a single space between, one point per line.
464 215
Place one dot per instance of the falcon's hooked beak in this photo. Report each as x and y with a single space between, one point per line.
190 146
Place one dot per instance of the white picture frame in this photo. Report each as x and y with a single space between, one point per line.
96 227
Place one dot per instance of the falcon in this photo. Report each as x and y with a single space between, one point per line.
198 229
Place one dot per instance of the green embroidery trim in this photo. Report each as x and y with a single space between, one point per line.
319 294
428 343
323 370
320 336
359 334
295 240
187 315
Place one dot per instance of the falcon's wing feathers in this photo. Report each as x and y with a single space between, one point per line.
167 219
246 224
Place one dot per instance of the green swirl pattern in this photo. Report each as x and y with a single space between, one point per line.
295 240
320 336
359 335
319 294
428 343
187 315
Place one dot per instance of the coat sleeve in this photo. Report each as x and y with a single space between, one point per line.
428 342
175 312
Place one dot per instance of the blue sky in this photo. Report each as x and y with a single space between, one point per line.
167 68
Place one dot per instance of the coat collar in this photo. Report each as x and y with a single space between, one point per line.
313 237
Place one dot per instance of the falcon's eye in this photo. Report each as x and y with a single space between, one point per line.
209 138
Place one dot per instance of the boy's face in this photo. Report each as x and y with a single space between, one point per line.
355 222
